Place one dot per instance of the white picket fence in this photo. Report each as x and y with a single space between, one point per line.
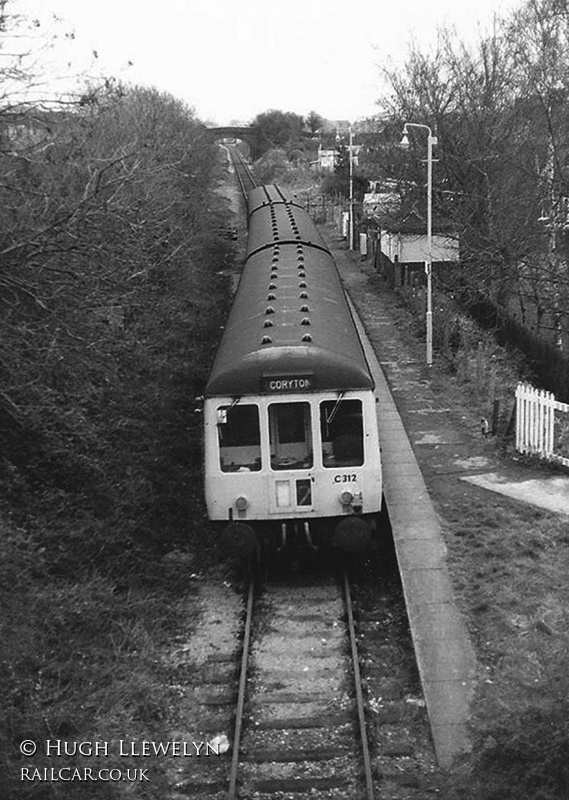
538 429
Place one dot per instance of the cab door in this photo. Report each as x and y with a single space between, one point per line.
291 458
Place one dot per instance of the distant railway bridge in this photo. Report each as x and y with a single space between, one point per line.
246 134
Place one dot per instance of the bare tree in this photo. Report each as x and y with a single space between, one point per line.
103 208
499 109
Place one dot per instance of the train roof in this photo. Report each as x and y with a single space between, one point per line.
290 318
269 194
274 218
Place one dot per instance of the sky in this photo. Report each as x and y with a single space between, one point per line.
233 59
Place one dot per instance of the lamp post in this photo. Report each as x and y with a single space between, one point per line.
351 217
431 140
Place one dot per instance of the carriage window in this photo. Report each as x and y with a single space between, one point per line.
290 436
342 431
239 438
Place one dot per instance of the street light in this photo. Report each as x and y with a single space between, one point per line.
351 218
431 140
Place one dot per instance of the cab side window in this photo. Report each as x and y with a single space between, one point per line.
342 432
239 438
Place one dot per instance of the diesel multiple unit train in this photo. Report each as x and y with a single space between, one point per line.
291 440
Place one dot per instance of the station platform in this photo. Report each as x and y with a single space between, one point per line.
444 652
445 656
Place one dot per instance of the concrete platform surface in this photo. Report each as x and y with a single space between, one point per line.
445 656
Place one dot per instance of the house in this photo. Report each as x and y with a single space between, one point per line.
326 159
327 156
382 199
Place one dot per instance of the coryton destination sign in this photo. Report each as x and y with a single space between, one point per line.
287 383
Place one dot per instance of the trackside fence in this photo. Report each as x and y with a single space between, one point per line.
542 424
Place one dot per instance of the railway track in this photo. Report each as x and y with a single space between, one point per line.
301 719
314 679
243 172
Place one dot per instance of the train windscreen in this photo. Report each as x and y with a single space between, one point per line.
290 436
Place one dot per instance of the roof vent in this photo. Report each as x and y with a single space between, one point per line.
267 324
302 274
304 309
274 276
302 285
303 295
272 286
266 340
269 310
305 321
306 338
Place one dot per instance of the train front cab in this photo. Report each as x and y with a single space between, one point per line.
295 465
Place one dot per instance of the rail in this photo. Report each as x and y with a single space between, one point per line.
243 171
359 694
232 791
318 783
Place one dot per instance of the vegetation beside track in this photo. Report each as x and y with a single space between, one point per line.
111 311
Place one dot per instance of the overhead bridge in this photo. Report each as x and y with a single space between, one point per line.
250 135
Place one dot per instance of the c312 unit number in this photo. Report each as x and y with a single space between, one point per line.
345 478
